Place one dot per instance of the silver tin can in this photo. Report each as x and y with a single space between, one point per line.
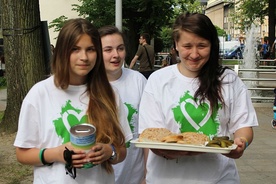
83 136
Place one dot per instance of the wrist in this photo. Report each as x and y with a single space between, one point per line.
244 140
113 154
42 157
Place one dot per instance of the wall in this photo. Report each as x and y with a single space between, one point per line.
52 9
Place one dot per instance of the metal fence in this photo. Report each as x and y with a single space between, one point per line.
265 80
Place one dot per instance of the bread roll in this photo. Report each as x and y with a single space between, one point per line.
193 138
165 135
154 134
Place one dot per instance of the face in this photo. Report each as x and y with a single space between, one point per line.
82 60
114 54
141 40
194 52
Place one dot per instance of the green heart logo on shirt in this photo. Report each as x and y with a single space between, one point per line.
193 117
202 115
70 116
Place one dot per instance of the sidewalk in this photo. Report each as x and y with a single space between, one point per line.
258 164
3 99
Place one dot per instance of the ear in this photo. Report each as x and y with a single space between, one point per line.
176 45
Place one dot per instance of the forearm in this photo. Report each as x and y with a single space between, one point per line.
133 61
32 156
29 156
246 134
132 64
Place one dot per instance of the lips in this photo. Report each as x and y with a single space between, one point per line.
115 63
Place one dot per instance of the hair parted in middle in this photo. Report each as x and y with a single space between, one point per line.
102 108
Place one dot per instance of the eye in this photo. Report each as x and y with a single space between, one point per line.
75 49
121 48
107 50
202 46
91 49
187 46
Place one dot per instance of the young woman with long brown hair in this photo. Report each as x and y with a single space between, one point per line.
77 92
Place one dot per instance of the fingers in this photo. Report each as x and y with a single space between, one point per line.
97 155
171 154
238 152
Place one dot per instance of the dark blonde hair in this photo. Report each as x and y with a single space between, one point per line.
102 108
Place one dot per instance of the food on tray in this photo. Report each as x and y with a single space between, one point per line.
165 135
172 138
154 134
220 142
194 138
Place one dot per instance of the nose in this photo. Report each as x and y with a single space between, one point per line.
83 55
115 53
194 53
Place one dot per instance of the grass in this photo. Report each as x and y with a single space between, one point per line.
230 62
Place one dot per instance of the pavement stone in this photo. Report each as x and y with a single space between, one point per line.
3 99
258 164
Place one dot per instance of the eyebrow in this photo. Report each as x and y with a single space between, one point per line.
108 46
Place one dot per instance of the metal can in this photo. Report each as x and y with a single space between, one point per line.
83 136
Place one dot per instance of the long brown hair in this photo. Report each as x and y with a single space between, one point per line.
209 75
102 108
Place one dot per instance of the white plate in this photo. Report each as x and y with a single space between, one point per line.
182 147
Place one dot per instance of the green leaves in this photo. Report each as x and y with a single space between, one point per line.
58 23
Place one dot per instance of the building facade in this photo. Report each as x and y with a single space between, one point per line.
220 11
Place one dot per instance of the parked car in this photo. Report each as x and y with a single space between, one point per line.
159 57
235 53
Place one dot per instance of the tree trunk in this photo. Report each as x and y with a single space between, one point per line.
25 63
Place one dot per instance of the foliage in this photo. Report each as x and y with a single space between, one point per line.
220 31
193 6
154 17
140 15
250 11
57 23
166 34
3 82
181 6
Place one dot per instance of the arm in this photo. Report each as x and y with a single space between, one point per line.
31 156
133 61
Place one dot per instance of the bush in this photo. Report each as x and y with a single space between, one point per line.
3 82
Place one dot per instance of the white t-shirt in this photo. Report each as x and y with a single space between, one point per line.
168 102
47 113
130 86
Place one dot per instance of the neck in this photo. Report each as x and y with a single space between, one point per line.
114 75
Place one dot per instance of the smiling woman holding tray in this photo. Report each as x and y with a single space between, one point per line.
196 95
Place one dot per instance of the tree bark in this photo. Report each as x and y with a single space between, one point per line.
24 55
